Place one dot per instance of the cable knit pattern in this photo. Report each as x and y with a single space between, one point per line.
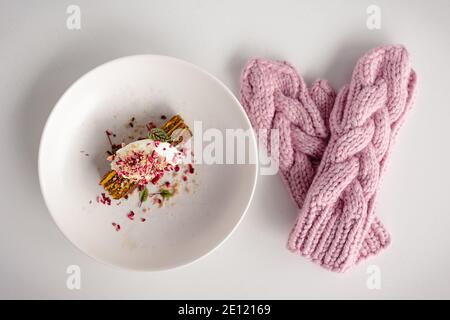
275 97
336 226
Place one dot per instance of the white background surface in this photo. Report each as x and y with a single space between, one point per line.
40 58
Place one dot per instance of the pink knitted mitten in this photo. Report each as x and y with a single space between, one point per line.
276 97
335 226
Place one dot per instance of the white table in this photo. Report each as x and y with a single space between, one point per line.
40 58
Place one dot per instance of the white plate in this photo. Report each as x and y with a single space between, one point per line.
144 87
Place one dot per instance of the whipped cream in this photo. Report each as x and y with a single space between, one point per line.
145 160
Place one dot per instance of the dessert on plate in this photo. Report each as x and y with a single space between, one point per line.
147 160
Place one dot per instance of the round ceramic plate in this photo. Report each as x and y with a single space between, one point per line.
141 89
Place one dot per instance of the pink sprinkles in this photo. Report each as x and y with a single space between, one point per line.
104 199
130 215
138 163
